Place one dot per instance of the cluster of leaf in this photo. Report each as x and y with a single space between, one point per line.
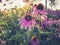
15 36
55 14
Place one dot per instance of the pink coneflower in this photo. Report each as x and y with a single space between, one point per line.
41 13
34 41
26 22
39 9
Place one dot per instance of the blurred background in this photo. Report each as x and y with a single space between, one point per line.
20 3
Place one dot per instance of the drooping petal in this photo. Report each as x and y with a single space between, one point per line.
43 12
22 25
21 22
27 23
20 19
0 0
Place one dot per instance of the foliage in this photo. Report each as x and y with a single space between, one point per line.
53 14
15 36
